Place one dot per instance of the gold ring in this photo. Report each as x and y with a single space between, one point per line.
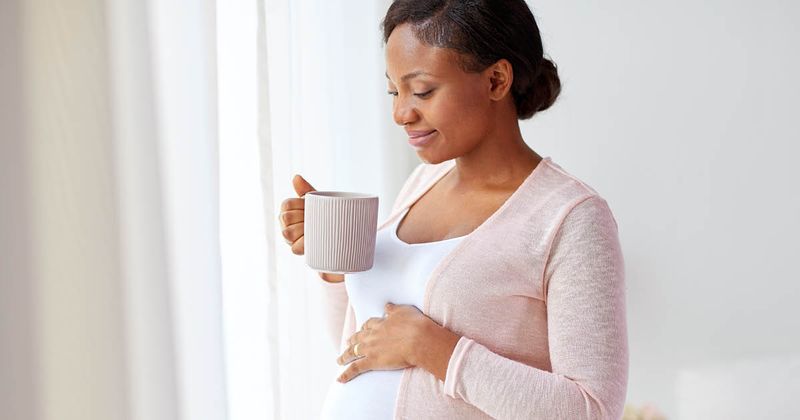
355 350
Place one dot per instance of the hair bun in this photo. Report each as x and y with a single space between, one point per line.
542 93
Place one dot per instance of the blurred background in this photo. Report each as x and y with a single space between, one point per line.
145 147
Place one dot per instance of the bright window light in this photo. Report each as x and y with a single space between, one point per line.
244 285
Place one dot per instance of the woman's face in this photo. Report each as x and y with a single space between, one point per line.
432 94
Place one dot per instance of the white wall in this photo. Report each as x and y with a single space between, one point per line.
683 115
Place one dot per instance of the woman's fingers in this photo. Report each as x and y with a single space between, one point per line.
298 247
360 337
293 204
293 233
356 368
301 186
291 217
371 323
349 353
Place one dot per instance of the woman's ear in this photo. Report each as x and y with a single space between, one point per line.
501 76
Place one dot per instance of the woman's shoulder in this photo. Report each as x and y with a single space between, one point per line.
584 202
563 180
555 192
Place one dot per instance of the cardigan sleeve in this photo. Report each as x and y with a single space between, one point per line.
334 304
587 333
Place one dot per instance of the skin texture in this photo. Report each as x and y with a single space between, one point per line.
404 337
476 123
473 113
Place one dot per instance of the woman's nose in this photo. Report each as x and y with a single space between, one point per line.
403 112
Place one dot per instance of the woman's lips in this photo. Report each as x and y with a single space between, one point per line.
421 138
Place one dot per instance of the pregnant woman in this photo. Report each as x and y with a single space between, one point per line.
498 287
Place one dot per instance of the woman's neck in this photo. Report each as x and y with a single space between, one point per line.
501 161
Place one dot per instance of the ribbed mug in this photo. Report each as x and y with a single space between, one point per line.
339 231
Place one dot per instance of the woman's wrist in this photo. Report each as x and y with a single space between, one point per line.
434 349
331 277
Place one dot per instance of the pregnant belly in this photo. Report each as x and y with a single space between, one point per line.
368 396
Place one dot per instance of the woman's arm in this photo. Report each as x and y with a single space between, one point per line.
587 333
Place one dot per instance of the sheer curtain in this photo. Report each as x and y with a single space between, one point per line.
110 268
145 150
324 114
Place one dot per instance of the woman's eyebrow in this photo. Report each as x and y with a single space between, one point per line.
411 75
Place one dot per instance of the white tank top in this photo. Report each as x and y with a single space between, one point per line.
399 275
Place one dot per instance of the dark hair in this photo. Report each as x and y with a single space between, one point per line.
482 32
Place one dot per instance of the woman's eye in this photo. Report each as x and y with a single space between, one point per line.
419 95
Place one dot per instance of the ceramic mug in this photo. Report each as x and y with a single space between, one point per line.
339 231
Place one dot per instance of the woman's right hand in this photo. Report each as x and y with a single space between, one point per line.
292 215
292 218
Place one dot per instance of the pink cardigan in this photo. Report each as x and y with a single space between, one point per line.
537 293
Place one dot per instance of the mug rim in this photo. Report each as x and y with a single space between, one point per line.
341 194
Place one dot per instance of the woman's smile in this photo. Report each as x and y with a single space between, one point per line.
420 139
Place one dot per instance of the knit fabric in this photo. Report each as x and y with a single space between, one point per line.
537 293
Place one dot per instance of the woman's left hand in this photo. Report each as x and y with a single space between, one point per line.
386 343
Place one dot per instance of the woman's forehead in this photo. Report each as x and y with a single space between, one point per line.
407 57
